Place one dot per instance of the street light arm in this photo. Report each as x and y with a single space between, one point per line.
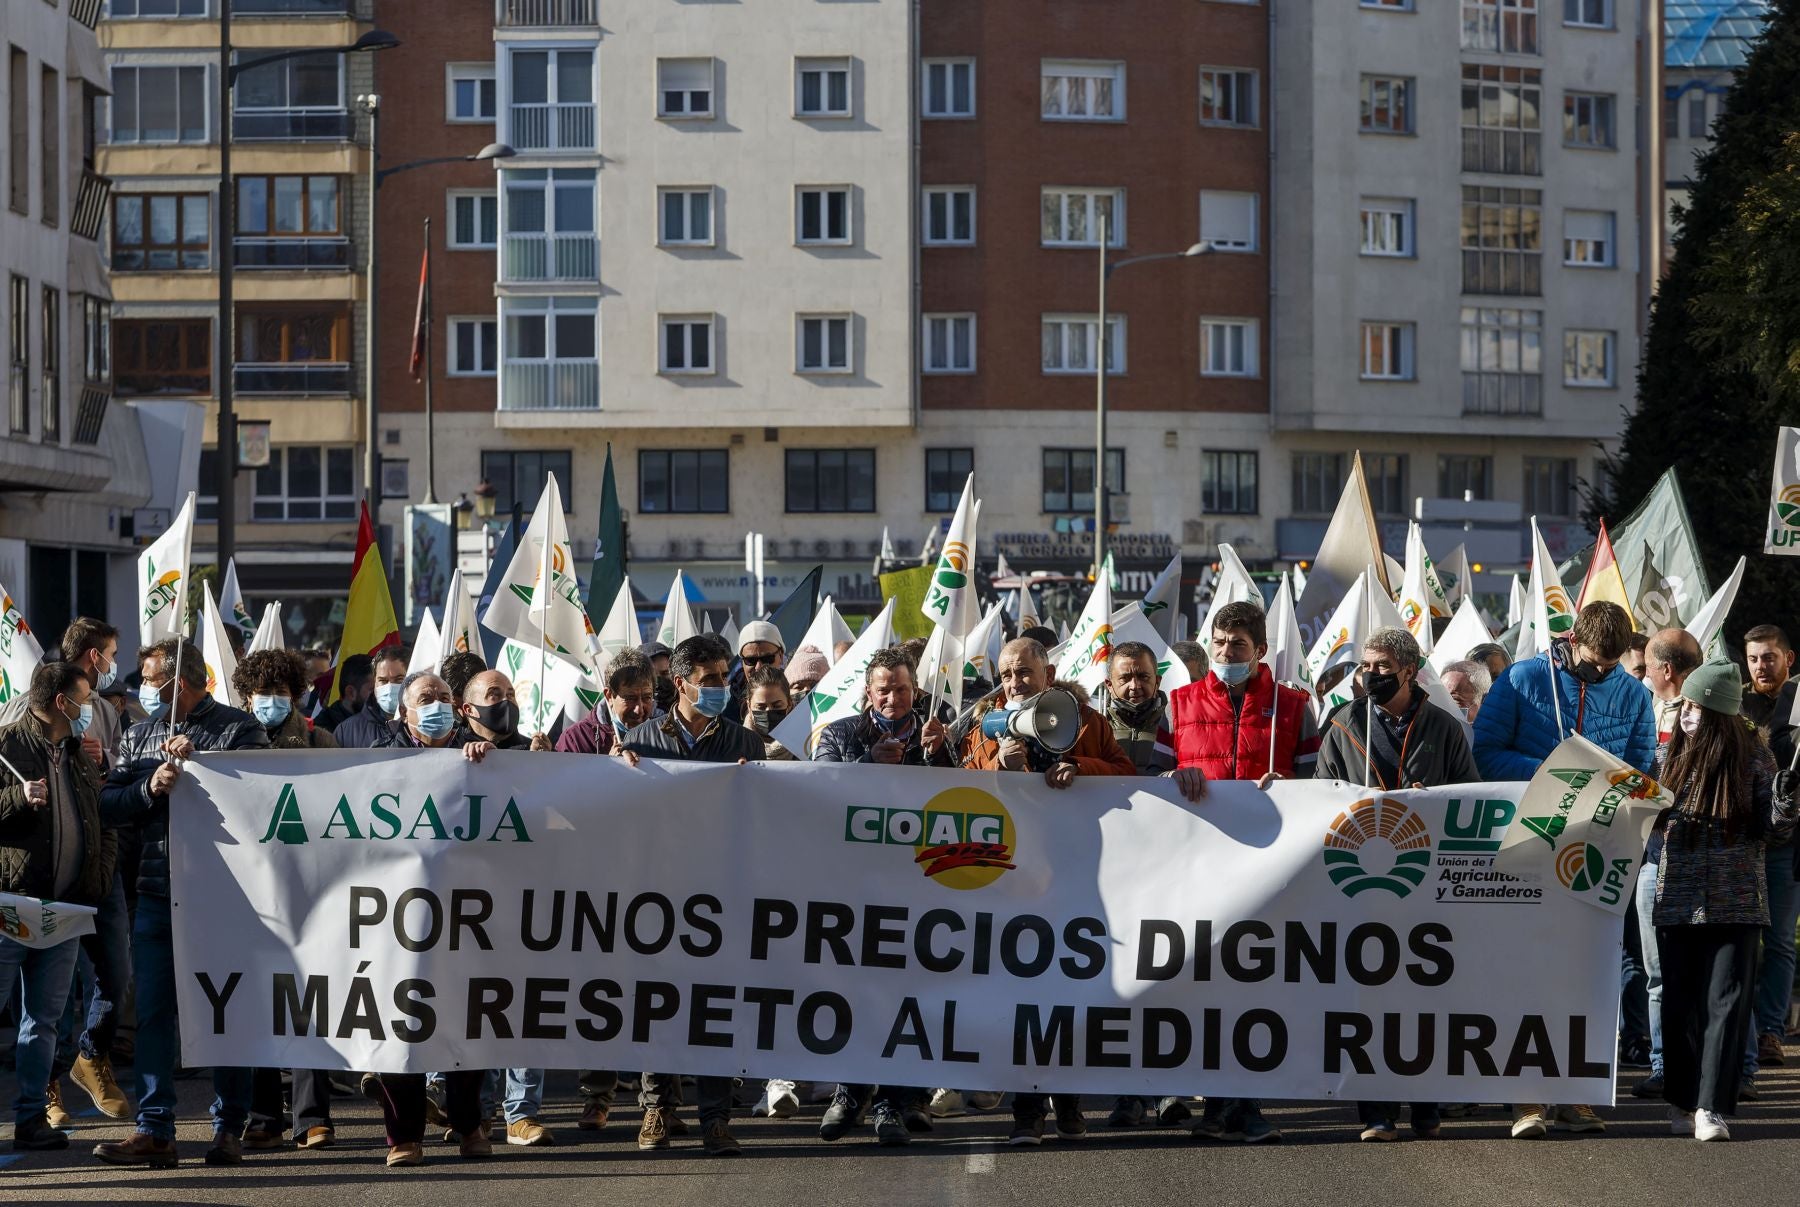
1199 249
491 151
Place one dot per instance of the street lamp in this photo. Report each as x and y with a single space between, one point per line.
225 525
1101 344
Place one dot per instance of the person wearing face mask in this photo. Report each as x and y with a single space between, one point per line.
1467 682
92 645
804 670
628 699
365 727
490 712
767 703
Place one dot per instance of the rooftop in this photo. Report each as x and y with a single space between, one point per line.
1711 33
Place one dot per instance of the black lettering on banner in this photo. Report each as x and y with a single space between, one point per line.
983 946
1043 951
816 1041
1108 1025
434 911
1242 1032
1392 1040
535 1025
653 1002
1532 1049
1209 1038
589 921
1087 958
412 999
1320 958
923 953
1262 964
634 939
877 932
702 1011
1152 932
489 996
908 1029
1388 954
1471 1035
219 997
527 908
606 1020
368 907
1203 949
1034 1045
1579 1064
308 1015
770 919
767 1001
827 923
1158 1019
1347 1034
705 925
361 1013
474 921
1428 942
951 1051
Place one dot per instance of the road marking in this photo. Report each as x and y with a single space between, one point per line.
982 1162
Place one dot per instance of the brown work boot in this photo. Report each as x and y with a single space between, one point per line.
405 1154
529 1133
477 1144
594 1114
54 1114
139 1148
1768 1050
655 1130
675 1123
96 1077
226 1149
719 1142
258 1140
316 1137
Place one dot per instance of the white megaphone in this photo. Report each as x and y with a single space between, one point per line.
1051 718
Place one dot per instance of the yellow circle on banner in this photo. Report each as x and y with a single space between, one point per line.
968 839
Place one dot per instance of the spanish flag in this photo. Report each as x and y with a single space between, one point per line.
369 621
1604 581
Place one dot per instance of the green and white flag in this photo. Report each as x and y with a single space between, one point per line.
1286 658
824 633
1162 602
428 646
1465 632
268 633
1233 585
981 648
1710 619
1130 624
215 651
1418 601
678 618
162 573
537 602
20 652
1340 642
1549 610
940 677
1082 655
950 599
840 693
458 632
1783 536
231 602
1659 557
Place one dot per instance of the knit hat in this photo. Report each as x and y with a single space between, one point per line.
759 630
807 665
1715 685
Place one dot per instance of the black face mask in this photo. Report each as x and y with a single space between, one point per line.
1135 715
1379 688
500 719
765 719
665 692
1588 673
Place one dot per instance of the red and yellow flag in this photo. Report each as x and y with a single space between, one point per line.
1604 580
369 621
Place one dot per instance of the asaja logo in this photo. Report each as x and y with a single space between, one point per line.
1787 505
1378 844
383 818
963 838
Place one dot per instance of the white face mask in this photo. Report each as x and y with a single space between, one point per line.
1690 721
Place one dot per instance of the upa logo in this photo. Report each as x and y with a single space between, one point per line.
1476 827
950 577
1583 868
963 838
1377 844
1787 510
1562 612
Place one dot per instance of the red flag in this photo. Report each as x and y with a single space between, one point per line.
1604 581
422 318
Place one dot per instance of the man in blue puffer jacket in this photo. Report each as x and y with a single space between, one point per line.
1517 729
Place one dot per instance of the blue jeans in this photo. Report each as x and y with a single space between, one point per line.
46 973
1775 984
105 976
159 1038
1646 919
524 1094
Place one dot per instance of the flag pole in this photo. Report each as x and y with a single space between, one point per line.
430 430
1368 739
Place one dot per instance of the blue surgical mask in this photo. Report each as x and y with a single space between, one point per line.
435 719
712 700
886 725
79 723
107 676
151 701
271 710
387 695
1233 674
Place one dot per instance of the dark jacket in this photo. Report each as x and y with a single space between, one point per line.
363 728
590 736
1096 751
721 741
396 736
126 797
297 733
1707 876
28 835
1433 752
1149 743
849 741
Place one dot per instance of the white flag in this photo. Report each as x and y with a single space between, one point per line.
885 555
1299 577
457 633
1782 534
1549 614
981 648
1416 597
20 652
1130 624
840 693
231 602
1710 619
1515 602
1341 641
1286 658
1384 615
824 633
1466 631
1162 602
678 618
1352 542
215 651
163 579
730 632
268 633
539 685
1233 585
1456 564
941 670
950 599
538 600
428 646
1083 659
618 632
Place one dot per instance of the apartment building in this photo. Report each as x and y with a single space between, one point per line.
74 472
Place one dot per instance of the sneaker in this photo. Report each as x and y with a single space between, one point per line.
1027 1132
226 1149
54 1114
947 1104
96 1077
1652 1087
1579 1119
1254 1129
918 1122
890 1128
405 1154
778 1100
529 1133
1071 1124
139 1148
1173 1112
982 1100
844 1113
1768 1050
654 1131
257 1139
1634 1055
1681 1123
476 1144
1529 1123
1380 1130
1214 1124
594 1114
36 1135
1747 1091
1709 1126
316 1137
719 1142
1126 1112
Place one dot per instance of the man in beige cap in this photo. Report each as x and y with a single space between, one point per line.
759 645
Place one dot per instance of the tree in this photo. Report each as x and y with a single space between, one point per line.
1721 366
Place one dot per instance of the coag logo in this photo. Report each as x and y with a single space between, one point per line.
159 591
1410 611
1787 505
963 838
13 926
1358 843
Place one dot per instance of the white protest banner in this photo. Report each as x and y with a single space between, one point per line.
1784 496
404 911
34 923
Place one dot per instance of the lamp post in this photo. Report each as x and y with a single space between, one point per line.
1101 345
376 39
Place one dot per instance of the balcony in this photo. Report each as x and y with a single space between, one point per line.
290 8
292 254
547 257
291 125
90 413
550 385
553 126
90 204
292 379
87 12
546 13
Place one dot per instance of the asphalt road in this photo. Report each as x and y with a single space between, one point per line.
965 1161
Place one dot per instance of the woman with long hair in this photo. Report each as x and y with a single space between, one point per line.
1711 895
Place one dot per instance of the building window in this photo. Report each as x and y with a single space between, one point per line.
687 343
1228 220
684 481
1069 478
824 343
1506 26
162 356
50 393
18 383
822 214
1385 475
297 99
1387 104
306 482
159 104
684 87
1083 92
1390 6
206 497
1318 481
1588 358
1387 226
50 165
1073 217
1387 351
1227 482
1227 97
1588 238
949 216
1069 341
1502 119
96 342
18 114
1502 241
1461 474
552 102
549 225
474 220
1227 347
518 478
686 217
1502 361
1671 118
161 232
946 469
822 88
830 479
1588 120
557 328
949 343
117 10
470 92
295 352
1697 114
1550 487
289 222
474 347
949 87
1592 14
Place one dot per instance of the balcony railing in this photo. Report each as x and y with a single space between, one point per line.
291 125
550 385
290 8
90 413
87 11
553 126
293 379
312 252
547 257
552 13
90 204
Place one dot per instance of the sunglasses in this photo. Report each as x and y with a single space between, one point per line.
759 659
